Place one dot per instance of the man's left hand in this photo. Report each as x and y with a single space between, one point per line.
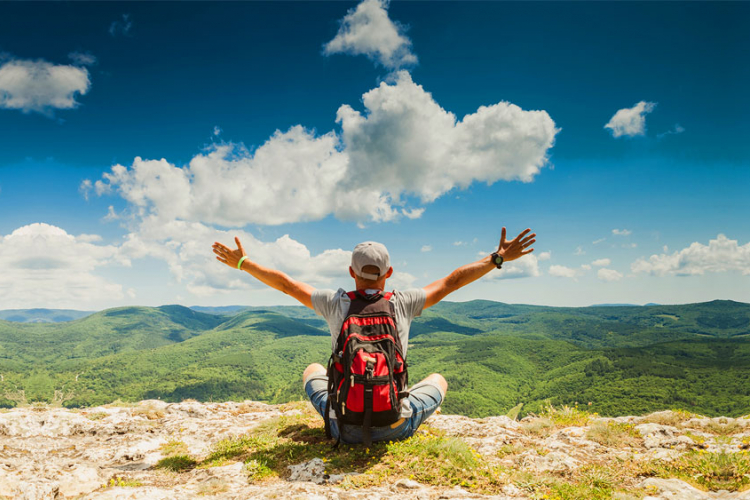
517 247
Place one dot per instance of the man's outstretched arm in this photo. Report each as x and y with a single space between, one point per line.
271 277
509 250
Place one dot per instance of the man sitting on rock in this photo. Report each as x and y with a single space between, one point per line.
368 364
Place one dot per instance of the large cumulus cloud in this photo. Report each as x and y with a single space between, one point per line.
401 152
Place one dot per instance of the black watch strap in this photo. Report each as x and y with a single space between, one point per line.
497 260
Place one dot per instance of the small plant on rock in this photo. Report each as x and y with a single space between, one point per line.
614 434
177 463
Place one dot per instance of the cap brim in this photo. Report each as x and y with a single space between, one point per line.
369 276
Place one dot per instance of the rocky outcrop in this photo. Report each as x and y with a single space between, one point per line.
112 452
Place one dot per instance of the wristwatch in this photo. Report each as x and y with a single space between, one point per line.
497 259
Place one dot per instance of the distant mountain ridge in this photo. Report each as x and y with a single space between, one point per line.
45 315
495 356
42 315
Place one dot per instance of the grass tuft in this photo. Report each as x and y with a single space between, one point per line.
173 447
614 434
177 463
710 471
675 418
148 411
539 427
566 416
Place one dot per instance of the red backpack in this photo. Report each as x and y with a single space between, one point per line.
367 375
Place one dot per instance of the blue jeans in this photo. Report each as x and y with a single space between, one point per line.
424 399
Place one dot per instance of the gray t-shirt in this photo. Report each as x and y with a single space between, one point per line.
334 305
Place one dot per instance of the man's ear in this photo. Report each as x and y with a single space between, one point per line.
390 271
351 272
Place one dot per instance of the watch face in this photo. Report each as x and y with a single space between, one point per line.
497 259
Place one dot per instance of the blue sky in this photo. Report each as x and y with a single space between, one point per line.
135 134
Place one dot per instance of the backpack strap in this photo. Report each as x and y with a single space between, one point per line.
326 413
331 395
361 294
367 419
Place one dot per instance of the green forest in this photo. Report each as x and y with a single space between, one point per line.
613 360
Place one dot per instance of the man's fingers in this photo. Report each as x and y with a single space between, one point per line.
221 247
523 233
239 245
502 237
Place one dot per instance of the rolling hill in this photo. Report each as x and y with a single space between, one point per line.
622 359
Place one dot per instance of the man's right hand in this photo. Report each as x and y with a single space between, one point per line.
227 255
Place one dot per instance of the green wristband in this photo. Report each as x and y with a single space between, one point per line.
239 264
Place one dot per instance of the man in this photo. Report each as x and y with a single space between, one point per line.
370 269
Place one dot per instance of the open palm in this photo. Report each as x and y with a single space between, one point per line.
517 247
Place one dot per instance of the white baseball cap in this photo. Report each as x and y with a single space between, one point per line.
370 253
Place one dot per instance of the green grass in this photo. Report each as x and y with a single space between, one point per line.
709 471
173 447
177 463
614 434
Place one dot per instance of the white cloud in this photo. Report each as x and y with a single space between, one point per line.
608 275
186 248
367 30
525 267
82 58
400 281
404 144
630 121
459 243
85 188
564 272
544 256
89 238
426 248
579 251
41 86
44 266
720 255
111 215
407 143
622 232
586 267
677 129
292 177
121 26
414 213
600 240
217 131
601 262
